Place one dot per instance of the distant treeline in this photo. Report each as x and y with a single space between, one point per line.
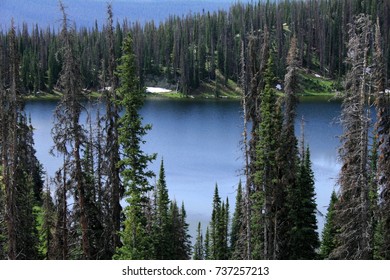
204 46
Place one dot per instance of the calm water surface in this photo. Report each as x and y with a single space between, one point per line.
200 144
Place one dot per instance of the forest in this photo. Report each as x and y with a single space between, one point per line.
80 214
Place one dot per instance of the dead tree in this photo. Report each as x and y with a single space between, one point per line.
68 134
351 214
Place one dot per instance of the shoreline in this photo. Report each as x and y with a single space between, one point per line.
169 95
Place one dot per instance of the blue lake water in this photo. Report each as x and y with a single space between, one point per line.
200 144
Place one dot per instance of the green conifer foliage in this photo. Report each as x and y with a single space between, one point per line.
198 247
236 223
207 251
268 196
217 239
303 236
329 232
46 224
214 226
134 162
180 244
162 219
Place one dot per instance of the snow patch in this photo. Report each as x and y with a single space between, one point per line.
157 90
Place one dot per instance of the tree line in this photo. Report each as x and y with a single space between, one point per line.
103 163
204 47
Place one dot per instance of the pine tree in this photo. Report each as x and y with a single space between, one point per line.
53 66
292 179
185 236
303 236
162 218
93 209
180 244
224 230
219 227
328 243
61 232
134 163
198 247
215 226
207 251
46 226
29 191
20 168
237 224
268 196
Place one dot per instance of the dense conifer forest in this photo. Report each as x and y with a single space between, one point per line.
78 214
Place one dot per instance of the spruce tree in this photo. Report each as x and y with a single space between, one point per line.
215 244
61 232
162 219
180 244
224 230
185 236
328 242
134 163
46 225
237 224
29 192
93 209
207 251
21 182
219 227
289 161
303 236
198 247
268 219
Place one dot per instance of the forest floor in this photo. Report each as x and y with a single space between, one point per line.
310 84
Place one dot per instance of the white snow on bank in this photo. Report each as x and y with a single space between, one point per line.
157 90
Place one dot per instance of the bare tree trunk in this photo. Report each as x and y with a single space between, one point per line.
247 200
65 215
112 148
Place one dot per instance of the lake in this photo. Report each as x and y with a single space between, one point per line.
199 141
